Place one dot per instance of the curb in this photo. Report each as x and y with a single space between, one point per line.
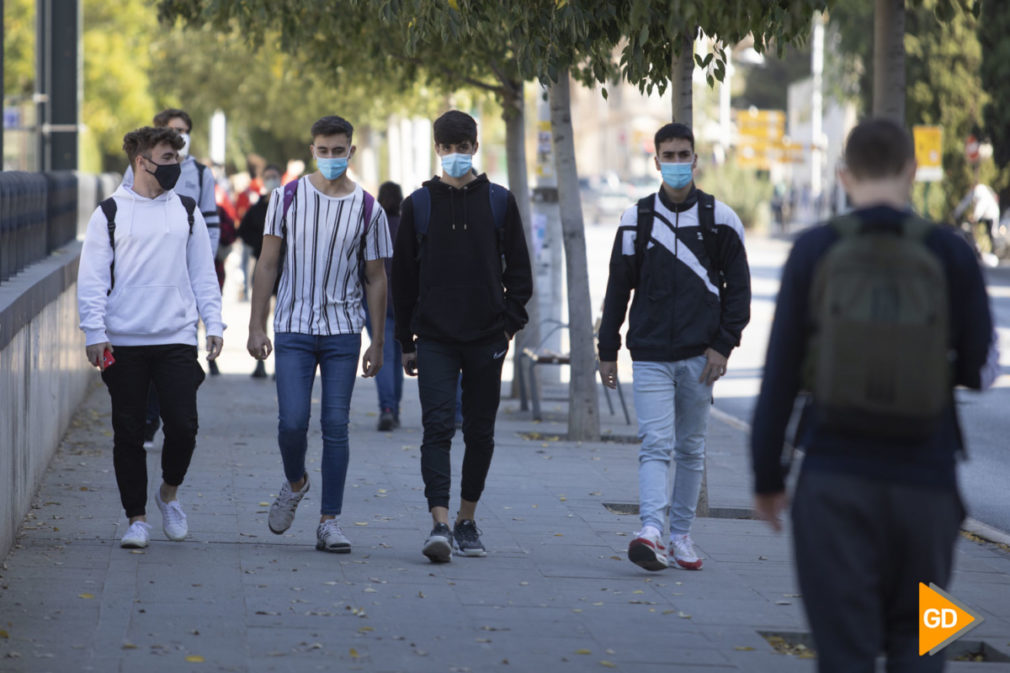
973 526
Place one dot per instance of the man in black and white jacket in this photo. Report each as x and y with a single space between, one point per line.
146 275
683 254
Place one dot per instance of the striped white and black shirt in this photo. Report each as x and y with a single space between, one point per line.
320 288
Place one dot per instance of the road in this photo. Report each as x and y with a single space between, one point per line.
985 418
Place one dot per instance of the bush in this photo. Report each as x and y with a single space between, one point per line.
746 191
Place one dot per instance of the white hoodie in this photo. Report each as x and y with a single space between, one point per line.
163 275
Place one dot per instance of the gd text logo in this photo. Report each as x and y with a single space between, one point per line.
942 620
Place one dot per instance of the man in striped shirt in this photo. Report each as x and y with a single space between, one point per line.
327 239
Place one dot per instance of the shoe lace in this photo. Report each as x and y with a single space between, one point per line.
331 526
174 513
468 531
684 545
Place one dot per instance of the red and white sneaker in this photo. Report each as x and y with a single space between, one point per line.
683 552
647 550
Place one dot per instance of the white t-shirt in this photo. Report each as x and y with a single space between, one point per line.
320 290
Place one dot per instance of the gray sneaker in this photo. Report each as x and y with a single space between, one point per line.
330 538
467 538
282 512
438 546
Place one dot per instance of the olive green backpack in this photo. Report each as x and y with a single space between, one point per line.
878 359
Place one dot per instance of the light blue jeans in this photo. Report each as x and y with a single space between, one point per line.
672 409
296 358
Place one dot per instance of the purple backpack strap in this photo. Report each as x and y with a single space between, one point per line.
289 196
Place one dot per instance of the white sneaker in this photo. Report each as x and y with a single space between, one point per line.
330 538
173 519
683 552
647 550
282 512
137 535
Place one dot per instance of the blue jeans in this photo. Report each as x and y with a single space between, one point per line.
672 409
389 380
296 357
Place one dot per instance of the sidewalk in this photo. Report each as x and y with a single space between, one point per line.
556 592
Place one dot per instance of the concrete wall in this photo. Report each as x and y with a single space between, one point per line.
43 378
44 374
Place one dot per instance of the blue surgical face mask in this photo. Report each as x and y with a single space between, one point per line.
677 175
331 167
457 165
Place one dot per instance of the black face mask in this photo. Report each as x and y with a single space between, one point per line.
166 174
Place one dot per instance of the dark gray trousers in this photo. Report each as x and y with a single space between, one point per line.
862 547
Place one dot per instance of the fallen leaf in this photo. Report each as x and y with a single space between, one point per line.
129 646
683 615
194 659
264 504
360 523
354 653
745 648
85 595
4 634
583 651
365 629
608 664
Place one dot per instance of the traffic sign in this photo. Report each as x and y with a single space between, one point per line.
971 149
928 152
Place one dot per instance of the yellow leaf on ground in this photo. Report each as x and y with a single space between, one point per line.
264 504
194 659
85 596
4 634
354 653
583 651
745 648
608 664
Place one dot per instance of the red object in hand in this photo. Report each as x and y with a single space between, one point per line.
107 359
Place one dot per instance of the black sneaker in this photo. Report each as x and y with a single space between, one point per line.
386 421
438 546
467 539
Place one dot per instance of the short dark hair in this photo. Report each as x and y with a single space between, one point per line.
878 148
165 116
671 131
454 127
146 138
390 197
272 167
332 125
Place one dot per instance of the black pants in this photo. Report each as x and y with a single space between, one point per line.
438 369
862 547
175 373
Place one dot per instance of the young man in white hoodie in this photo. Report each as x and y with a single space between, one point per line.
146 274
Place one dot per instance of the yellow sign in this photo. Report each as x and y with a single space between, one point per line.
928 152
942 620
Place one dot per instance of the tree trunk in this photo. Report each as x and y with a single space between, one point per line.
889 60
682 81
514 114
583 403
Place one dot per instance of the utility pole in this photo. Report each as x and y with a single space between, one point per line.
817 114
58 82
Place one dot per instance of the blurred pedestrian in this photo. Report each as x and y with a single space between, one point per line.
879 315
250 230
452 291
146 274
682 251
327 239
389 380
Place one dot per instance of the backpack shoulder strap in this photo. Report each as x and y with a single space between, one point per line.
643 229
200 168
709 233
846 225
421 201
289 196
367 206
499 198
190 205
108 207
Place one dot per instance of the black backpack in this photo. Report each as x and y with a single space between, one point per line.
108 207
706 220
878 360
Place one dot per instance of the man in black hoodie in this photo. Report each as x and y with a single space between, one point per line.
461 278
874 512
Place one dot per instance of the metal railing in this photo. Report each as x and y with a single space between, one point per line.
38 214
